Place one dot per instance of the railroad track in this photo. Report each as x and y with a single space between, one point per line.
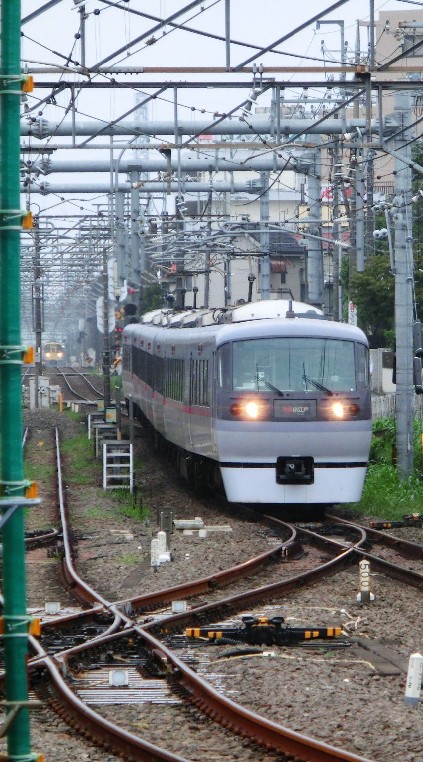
75 384
111 622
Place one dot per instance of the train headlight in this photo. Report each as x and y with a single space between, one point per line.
344 409
252 410
60 354
48 355
247 410
338 409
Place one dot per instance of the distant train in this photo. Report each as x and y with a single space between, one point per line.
54 353
269 398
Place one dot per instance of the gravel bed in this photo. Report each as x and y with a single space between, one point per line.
334 695
337 695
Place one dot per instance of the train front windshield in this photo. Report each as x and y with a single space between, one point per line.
293 364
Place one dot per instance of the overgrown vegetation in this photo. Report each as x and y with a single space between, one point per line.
384 494
38 472
79 451
82 466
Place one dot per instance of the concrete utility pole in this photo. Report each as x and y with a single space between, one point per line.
38 312
404 290
315 255
106 335
264 237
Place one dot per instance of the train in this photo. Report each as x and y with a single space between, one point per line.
54 353
269 399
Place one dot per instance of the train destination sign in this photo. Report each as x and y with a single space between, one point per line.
304 410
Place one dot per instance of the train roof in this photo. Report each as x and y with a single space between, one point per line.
275 327
253 320
272 308
263 310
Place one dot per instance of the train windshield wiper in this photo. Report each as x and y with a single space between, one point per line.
270 386
322 388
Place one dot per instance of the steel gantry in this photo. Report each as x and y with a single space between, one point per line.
355 83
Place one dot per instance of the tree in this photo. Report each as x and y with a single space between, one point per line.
152 298
373 291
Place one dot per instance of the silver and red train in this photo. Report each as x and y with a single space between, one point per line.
269 398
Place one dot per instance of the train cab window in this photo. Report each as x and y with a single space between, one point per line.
289 364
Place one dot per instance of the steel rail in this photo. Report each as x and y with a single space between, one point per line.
201 691
98 728
219 707
238 717
39 540
46 538
405 547
59 373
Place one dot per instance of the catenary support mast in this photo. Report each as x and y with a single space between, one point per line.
11 462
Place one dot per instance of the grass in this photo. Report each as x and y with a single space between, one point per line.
38 472
385 495
79 450
128 506
71 415
95 512
82 465
131 559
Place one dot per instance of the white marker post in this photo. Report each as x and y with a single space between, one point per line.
414 680
162 542
164 554
365 596
155 553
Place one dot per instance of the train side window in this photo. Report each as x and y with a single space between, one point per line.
126 357
199 371
174 379
159 374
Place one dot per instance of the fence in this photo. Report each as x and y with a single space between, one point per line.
384 405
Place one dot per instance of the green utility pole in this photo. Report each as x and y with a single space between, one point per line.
15 621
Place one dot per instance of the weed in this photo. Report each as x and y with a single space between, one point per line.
95 512
130 559
128 505
38 471
385 495
81 459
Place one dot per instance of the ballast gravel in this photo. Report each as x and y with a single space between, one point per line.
336 695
